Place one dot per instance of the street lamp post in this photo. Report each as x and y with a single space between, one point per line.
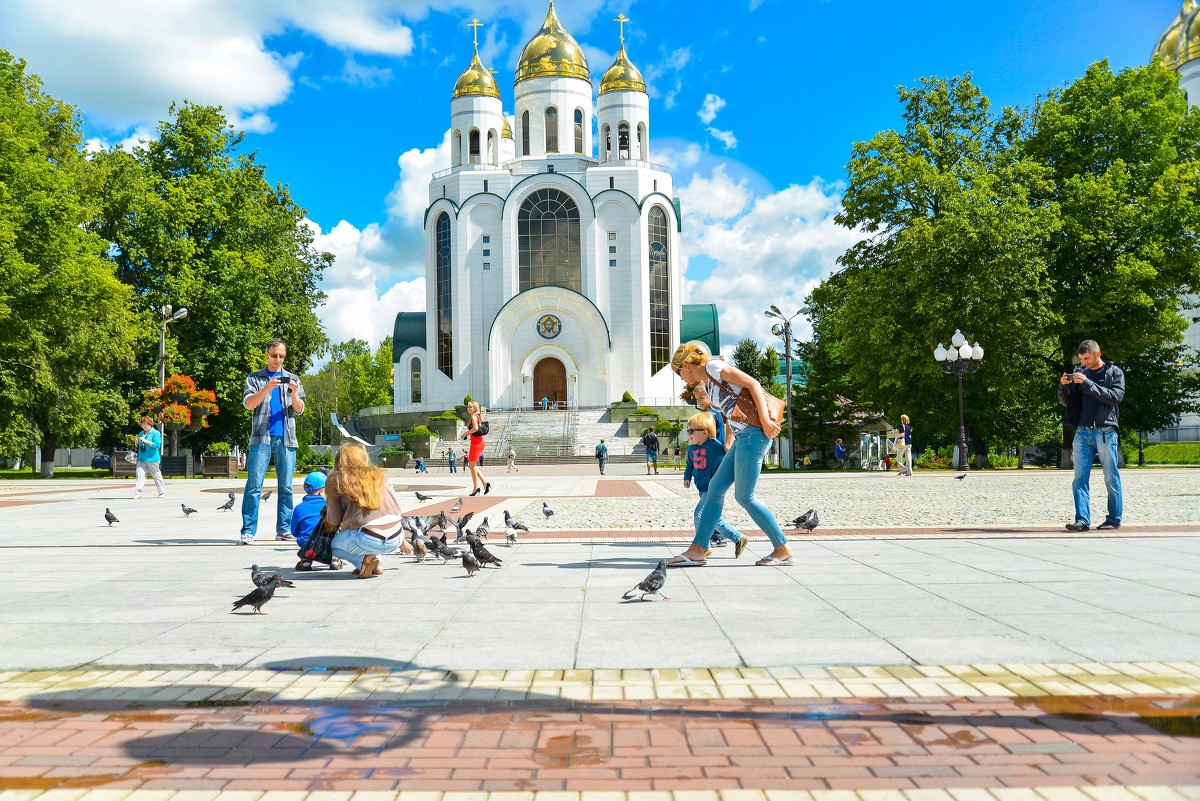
958 359
168 316
785 331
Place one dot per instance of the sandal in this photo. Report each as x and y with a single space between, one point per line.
683 561
775 561
370 564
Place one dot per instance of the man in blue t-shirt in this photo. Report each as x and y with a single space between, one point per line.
276 397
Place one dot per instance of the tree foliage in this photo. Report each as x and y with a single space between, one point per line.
352 379
65 320
194 223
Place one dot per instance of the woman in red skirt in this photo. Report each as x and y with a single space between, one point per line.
476 450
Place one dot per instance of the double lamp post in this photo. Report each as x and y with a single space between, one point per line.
958 359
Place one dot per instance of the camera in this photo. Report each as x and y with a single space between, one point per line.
285 379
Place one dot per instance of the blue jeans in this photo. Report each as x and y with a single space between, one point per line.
352 545
1088 443
723 528
739 468
257 461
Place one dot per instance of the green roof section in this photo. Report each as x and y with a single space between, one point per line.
409 332
700 322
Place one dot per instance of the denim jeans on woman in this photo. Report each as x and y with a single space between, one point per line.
1088 443
353 544
723 528
257 461
740 469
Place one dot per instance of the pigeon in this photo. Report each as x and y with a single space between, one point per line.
187 510
418 546
444 551
266 495
457 505
652 584
510 536
460 524
225 507
481 552
546 510
511 522
110 517
809 520
470 563
960 478
482 530
261 578
421 497
257 597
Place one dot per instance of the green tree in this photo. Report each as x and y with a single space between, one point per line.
1161 385
194 223
1124 154
822 405
957 232
353 378
65 320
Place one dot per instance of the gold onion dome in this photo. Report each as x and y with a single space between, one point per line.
476 80
506 132
552 53
622 76
1180 43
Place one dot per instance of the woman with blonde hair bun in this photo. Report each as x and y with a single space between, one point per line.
360 500
740 468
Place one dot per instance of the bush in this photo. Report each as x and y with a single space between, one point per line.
1163 452
219 449
446 415
416 432
627 398
935 459
645 410
392 451
320 458
467 399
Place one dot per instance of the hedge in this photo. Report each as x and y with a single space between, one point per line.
1163 452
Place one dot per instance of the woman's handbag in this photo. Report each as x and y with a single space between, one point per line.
747 412
131 457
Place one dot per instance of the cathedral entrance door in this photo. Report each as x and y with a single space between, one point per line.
549 381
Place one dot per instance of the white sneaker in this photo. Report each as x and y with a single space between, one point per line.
137 496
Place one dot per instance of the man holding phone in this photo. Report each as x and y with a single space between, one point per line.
276 397
1093 395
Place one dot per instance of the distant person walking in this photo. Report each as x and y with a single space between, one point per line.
149 458
650 441
475 454
276 398
839 453
545 403
1093 395
601 455
904 457
742 465
511 458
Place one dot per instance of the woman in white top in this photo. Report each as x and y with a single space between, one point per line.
740 468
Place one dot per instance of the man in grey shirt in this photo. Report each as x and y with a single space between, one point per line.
276 397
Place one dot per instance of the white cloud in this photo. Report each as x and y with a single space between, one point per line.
409 197
715 198
364 75
724 137
667 70
674 159
712 104
138 138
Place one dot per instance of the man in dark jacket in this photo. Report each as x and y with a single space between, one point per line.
1093 395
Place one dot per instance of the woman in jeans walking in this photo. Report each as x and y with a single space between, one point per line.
149 459
740 468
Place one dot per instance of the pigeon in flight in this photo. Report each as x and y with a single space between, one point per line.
457 505
652 584
546 510
470 563
512 522
421 497
225 507
110 517
510 535
809 520
460 524
187 510
262 579
257 597
482 554
960 478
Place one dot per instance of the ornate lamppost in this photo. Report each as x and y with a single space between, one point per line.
958 359
785 331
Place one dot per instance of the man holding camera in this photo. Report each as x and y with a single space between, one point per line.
276 397
1093 395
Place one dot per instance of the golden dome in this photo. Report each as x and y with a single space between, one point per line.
506 132
552 53
1180 43
622 76
476 80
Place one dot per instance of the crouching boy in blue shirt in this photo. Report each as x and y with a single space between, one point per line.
703 457
307 516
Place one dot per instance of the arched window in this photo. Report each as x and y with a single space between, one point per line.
579 130
414 381
605 144
456 146
444 334
551 129
623 140
491 147
524 133
658 236
643 145
548 241
474 140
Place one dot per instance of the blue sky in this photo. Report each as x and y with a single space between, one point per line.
754 105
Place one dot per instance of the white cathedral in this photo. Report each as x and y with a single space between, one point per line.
551 260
